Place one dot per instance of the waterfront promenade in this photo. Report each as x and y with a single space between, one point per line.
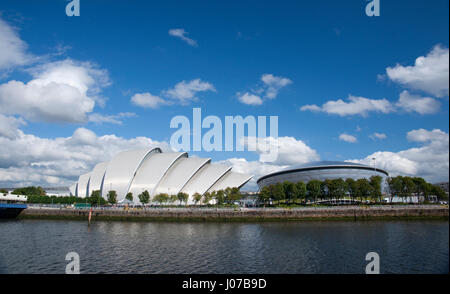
240 214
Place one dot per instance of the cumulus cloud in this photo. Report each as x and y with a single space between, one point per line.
379 136
429 73
416 103
13 50
290 152
249 99
355 106
113 119
348 138
9 126
274 84
147 100
181 33
30 160
271 85
185 92
430 160
62 91
363 106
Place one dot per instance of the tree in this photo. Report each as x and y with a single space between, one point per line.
112 197
129 196
340 187
183 197
363 188
278 192
375 184
197 197
290 191
264 195
408 186
324 190
144 197
314 188
207 197
352 188
29 191
161 198
173 198
234 195
4 191
300 191
219 196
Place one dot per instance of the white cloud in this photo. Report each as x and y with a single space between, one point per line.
348 138
356 106
290 152
184 92
12 48
379 136
249 99
113 119
274 84
430 161
430 73
181 33
148 100
30 160
9 126
416 103
271 85
63 91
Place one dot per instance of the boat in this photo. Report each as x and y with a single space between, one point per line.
11 205
11 210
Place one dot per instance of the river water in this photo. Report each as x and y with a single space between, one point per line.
40 246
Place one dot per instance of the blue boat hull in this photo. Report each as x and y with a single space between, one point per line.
11 210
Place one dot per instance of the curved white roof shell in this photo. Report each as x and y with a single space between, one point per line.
83 183
229 180
122 169
179 174
205 178
151 171
95 183
73 189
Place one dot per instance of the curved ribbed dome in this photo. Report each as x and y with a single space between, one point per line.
151 170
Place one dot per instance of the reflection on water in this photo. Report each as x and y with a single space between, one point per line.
39 246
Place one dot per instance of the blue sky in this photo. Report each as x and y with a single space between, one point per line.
328 50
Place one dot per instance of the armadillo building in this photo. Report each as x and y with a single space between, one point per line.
152 170
324 170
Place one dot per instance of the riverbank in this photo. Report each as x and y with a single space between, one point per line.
382 212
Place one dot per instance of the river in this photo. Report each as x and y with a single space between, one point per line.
40 246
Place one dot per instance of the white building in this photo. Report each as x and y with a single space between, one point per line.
152 170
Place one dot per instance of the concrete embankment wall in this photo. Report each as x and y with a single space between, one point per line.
258 214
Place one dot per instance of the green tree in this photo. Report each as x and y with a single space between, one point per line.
340 187
352 188
173 198
112 197
278 192
4 191
375 184
31 190
290 191
300 191
183 197
161 198
197 198
363 188
129 196
144 197
264 195
314 189
207 197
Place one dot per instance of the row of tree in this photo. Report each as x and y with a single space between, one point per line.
288 192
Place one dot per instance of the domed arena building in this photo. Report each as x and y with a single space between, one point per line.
324 170
152 170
